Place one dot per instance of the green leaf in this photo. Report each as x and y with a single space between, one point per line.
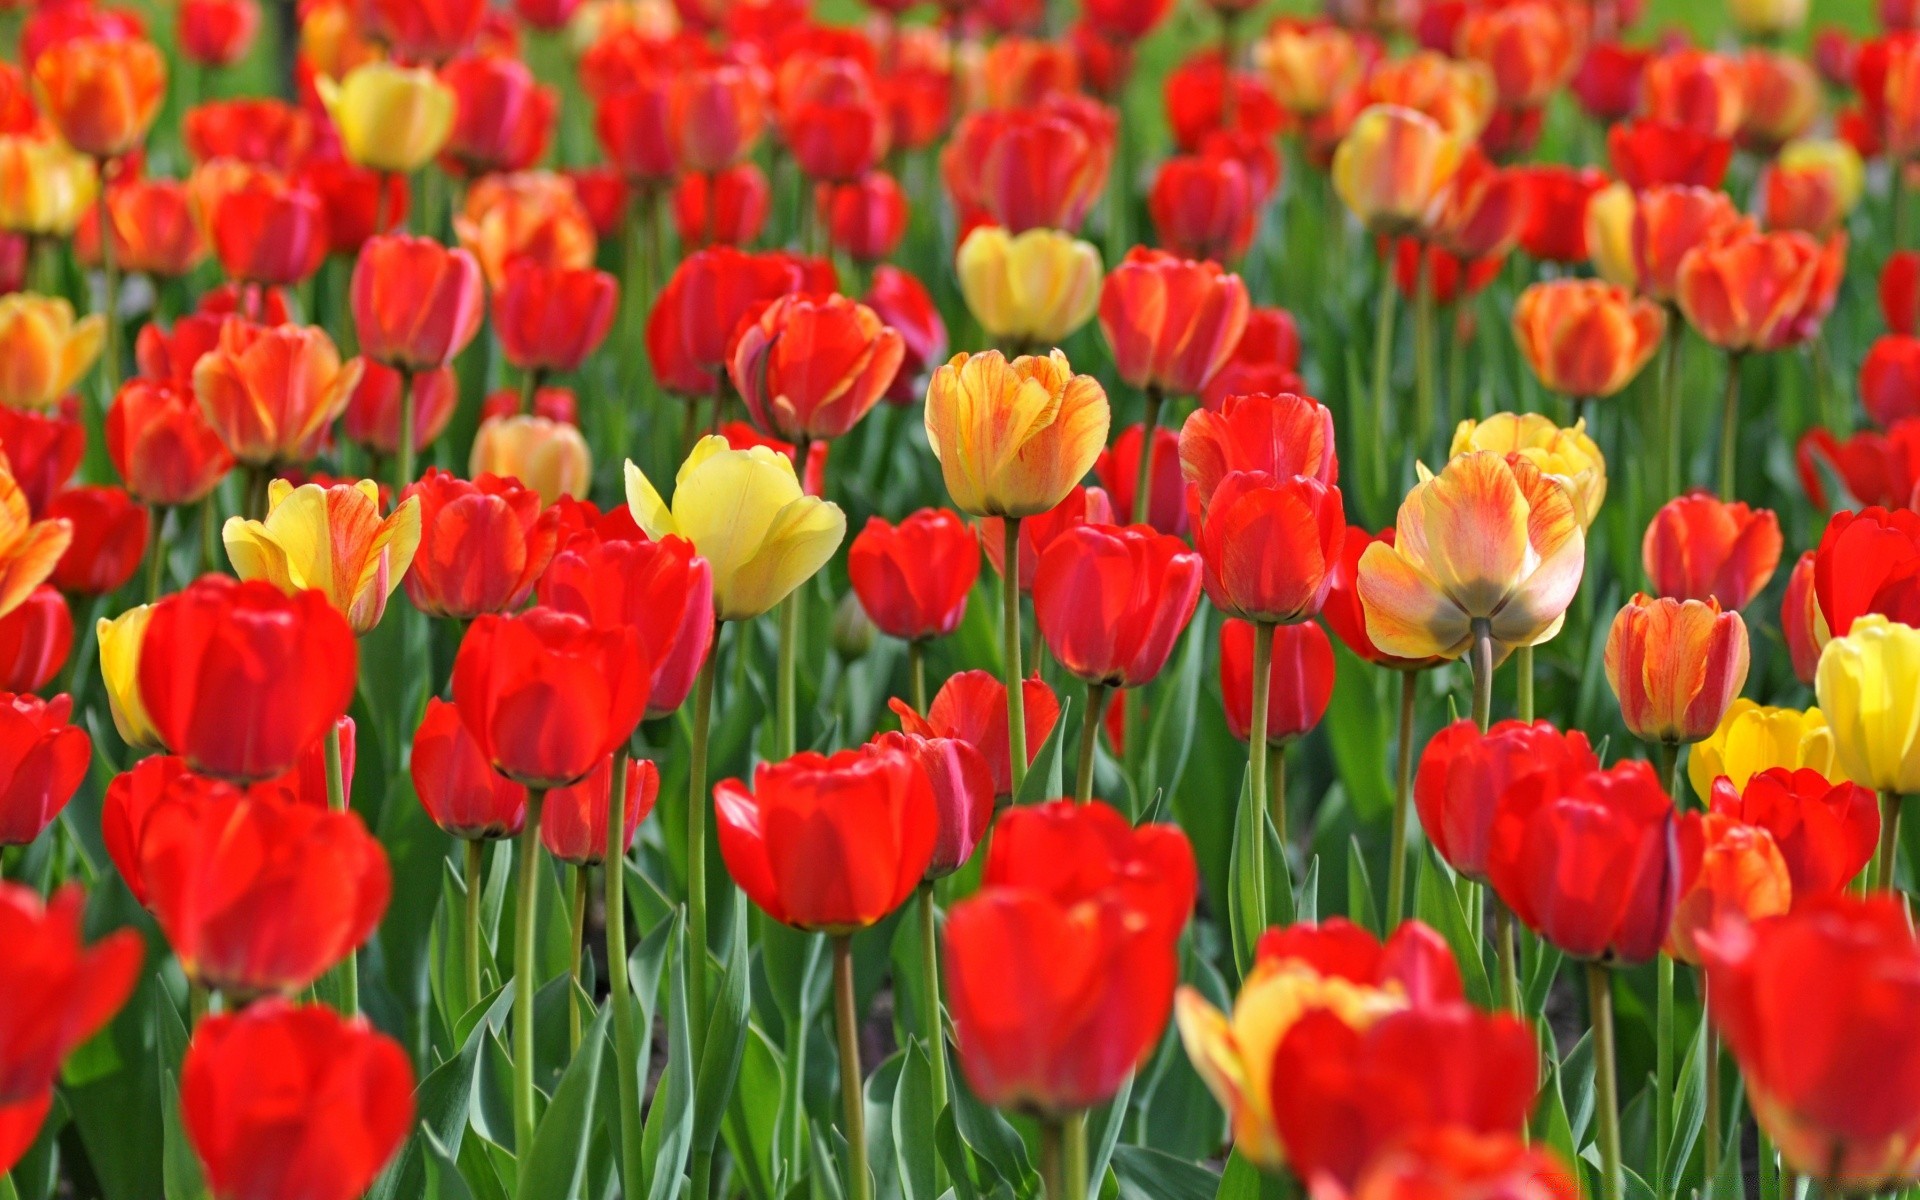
1244 1181
1360 906
1045 778
1150 1175
913 1119
440 1109
181 1178
667 1140
954 1153
1177 703
1437 903
1103 1129
877 1095
442 1172
726 1040
753 1115
987 1133
558 1159
1360 727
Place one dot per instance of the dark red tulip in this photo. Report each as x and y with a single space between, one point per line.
1125 20
903 304
43 760
1868 561
240 679
456 784
44 449
913 578
962 794
1826 831
35 639
1608 81
727 208
503 116
573 821
661 590
110 532
1301 675
972 706
1465 776
552 318
1112 600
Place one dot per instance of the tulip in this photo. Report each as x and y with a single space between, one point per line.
1033 288
631 125
1335 967
374 412
1868 691
502 115
1864 564
1279 435
1813 1005
1202 96
1299 522
1752 739
1171 322
237 678
1119 470
266 230
808 369
1660 227
1013 437
102 94
64 992
456 785
971 707
332 539
1729 871
1698 547
44 758
1025 167
35 640
1310 65
1344 612
1608 82
1675 666
43 449
533 215
154 229
46 187
1488 552
1555 226
1826 832
217 33
913 579
1890 380
543 454
1568 456
1267 360
1740 293
1696 89
573 819
1781 98
271 393
1480 211
552 318
1586 339
359 202
1301 683
1451 1162
1767 18
1798 614
715 113
261 131
1532 49
1465 776
110 532
416 304
46 351
831 117
29 549
706 298
241 1067
865 218
1813 185
727 208
119 640
1082 506
482 545
1392 167
390 118
962 794
161 444
1206 206
213 859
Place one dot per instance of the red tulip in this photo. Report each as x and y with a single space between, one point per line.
359 201
1075 852
482 545
962 794
1206 206
1730 871
1608 81
162 444
35 640
503 116
972 706
604 193
1111 601
110 533
1297 523
1890 379
1465 777
373 414
866 217
727 208
573 821
1590 864
1797 611
416 304
1453 1162
1868 561
1030 168
44 449
1196 100
552 318
216 33
808 369
1448 277
661 590
258 130
43 761
707 296
828 844
1413 959
59 994
715 112
240 679
832 117
1747 292
1556 229
631 124
1301 675
268 231
546 695
456 784
913 579
1699 547
1125 20
1826 831
1900 292
425 30
131 796
1647 154
1118 469
1280 436
1818 1008
1171 322
1083 506
1267 360
1875 468
902 303
280 1100
257 895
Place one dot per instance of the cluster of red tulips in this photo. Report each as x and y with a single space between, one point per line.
407 791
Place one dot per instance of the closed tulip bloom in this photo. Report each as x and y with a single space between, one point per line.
102 94
272 392
390 118
1592 865
46 186
1865 563
1743 293
373 413
1607 83
1030 167
913 578
35 640
1111 601
1464 775
1567 455
1812 186
358 201
61 992
332 539
1817 1009
715 113
1781 97
43 449
1531 49
416 304
110 532
1309 65
631 125
745 513
258 895
456 785
972 707
1392 167
1082 506
217 33
546 455
1752 738
502 115
1869 688
867 217
1729 871
573 821
241 679
1457 1162
1826 832
1664 224
706 298
482 545
1302 680
828 844
1171 322
1279 435
1490 539
240 1070
1584 338
534 215
1268 544
1890 379
661 589
1555 225
731 207
1699 547
1694 88
1074 852
1033 288
1206 206
267 230
1014 437
1118 469
808 368
43 760
1480 212
162 445
119 640
154 227
46 351
1675 666
552 318
548 696
962 786
1798 615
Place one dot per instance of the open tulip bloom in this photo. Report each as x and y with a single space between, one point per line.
730 600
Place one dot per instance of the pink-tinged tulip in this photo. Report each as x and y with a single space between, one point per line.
962 794
1675 666
972 706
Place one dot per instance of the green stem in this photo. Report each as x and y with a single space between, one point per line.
1523 668
577 878
853 1103
1053 1160
1885 860
1074 1131
1089 736
620 990
1670 399
470 932
697 850
1383 371
1481 662
403 470
1423 352
525 910
1402 793
930 1019
199 1001
917 675
529 388
1257 753
209 531
1143 477
785 701
1010 647
1710 1126
1277 792
1606 1079
349 969
157 551
1508 951
1729 426
1899 200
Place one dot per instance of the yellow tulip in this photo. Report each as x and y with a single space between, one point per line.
1393 167
330 538
1869 687
1752 738
1838 159
29 549
1013 438
1611 212
1036 287
1767 18
119 641
391 118
46 186
1567 456
44 351
548 456
1234 1054
745 513
1488 539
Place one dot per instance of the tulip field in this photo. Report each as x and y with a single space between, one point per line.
975 599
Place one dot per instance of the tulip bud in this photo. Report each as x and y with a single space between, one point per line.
390 118
1675 666
853 630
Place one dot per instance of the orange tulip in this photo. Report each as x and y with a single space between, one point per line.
1781 94
29 549
1675 665
154 228
1459 96
272 392
532 214
1310 65
1638 241
1393 166
1171 322
1700 547
547 456
1729 870
1744 293
102 94
1013 438
1695 89
1532 47
1584 338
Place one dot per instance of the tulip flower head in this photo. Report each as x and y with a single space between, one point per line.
35 640
1729 871
101 93
1465 775
549 456
330 538
1675 666
913 578
1868 683
30 550
1584 338
1568 455
1752 738
482 545
1031 288
390 118
1171 322
1301 680
1111 601
45 349
416 304
1013 438
972 707
1393 167
1826 832
810 368
573 820
1699 547
271 392
48 759
46 186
